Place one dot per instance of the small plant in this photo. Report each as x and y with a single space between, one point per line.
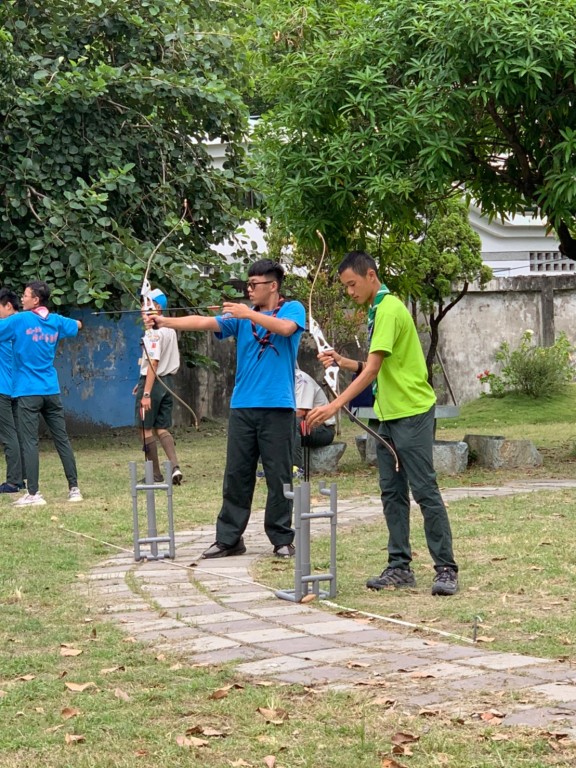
534 370
495 382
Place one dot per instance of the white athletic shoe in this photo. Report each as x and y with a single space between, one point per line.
30 500
74 494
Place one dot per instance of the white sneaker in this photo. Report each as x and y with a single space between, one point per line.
74 494
30 500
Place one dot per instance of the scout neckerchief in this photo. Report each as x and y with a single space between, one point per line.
264 341
382 291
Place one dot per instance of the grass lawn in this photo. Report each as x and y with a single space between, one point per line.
517 559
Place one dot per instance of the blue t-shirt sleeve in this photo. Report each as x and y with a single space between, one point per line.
294 311
7 328
68 327
228 327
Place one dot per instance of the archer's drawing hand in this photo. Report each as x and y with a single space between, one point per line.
239 311
145 404
319 415
329 357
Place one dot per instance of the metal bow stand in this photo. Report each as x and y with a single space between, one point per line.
305 582
150 488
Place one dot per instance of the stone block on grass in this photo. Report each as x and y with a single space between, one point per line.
496 452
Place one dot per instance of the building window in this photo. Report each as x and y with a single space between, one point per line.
550 261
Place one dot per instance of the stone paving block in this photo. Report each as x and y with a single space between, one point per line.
447 670
245 597
317 676
137 604
134 617
227 655
322 627
223 614
121 591
198 607
540 717
558 673
381 638
158 624
283 609
203 644
491 682
341 655
173 602
263 635
504 661
299 645
247 624
274 665
105 574
557 691
161 636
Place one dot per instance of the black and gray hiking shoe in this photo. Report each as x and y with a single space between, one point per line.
445 582
393 578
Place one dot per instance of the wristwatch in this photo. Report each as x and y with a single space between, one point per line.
146 394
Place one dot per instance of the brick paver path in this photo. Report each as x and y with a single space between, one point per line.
215 612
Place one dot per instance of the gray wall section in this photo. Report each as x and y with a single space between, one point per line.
99 368
472 331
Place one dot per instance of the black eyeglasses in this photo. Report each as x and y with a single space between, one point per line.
252 284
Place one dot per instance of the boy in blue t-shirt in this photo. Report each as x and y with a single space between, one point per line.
34 335
262 409
9 305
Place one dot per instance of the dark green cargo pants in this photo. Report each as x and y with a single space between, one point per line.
412 439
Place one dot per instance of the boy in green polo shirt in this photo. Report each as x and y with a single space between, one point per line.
404 403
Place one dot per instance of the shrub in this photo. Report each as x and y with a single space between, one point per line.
534 370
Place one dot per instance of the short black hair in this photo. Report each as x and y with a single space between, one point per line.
9 297
359 262
267 267
41 290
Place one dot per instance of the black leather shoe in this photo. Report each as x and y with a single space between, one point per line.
221 550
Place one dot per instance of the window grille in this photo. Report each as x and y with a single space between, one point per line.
550 261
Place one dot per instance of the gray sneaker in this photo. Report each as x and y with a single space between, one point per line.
284 550
445 582
393 578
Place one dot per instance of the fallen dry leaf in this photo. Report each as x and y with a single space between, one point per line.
308 598
26 678
54 728
273 716
221 693
389 762
402 749
240 763
79 687
492 715
109 670
69 712
418 674
270 761
485 639
67 651
120 694
402 737
185 741
74 738
357 664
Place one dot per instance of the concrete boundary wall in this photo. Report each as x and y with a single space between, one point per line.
472 331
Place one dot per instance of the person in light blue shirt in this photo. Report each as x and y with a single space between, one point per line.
261 422
34 335
9 305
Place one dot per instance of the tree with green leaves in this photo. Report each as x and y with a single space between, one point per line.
382 108
435 266
106 109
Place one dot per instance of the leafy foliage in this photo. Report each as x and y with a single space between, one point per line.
534 370
435 264
381 107
105 109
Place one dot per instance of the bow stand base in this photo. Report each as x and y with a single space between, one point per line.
305 582
151 489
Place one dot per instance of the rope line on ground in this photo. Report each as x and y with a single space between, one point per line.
251 582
